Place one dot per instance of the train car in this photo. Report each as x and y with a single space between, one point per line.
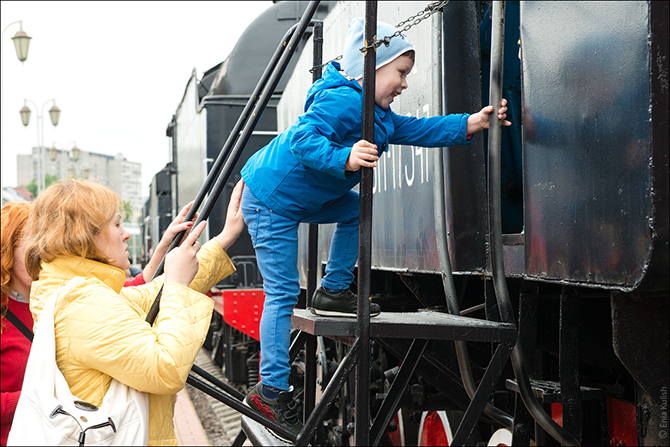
584 221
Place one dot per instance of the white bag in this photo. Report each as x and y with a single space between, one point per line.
48 414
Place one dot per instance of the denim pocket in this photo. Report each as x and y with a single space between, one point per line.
250 214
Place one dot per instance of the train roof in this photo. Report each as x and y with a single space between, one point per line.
238 74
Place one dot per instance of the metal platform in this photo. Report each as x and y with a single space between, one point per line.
415 325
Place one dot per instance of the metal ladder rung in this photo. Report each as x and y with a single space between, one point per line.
259 435
421 325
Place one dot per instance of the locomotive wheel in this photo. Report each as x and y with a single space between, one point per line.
502 437
438 428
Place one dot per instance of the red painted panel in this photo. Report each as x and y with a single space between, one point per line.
622 422
557 413
242 309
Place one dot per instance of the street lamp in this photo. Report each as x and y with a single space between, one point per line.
21 41
75 152
54 115
21 45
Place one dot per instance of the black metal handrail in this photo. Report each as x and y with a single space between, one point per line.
247 122
449 287
495 230
312 252
362 408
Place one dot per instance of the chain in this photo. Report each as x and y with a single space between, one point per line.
417 18
411 21
311 70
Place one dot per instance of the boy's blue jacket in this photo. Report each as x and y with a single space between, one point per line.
303 168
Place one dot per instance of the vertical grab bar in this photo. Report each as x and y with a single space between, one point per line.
312 253
362 410
495 229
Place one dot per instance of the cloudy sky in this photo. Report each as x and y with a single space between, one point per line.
117 70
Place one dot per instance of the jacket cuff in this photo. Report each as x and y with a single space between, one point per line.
464 123
10 400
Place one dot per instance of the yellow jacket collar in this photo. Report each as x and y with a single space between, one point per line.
66 267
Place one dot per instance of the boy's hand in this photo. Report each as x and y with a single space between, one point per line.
363 155
480 120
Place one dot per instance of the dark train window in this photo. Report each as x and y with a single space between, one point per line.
512 181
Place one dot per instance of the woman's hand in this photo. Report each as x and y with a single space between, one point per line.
181 264
234 220
178 225
363 155
480 120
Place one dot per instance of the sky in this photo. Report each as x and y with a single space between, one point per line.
116 70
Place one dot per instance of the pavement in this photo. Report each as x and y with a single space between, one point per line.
187 425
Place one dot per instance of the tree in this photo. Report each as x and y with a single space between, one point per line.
128 208
48 180
32 187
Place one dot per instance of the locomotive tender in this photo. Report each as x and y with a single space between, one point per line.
584 203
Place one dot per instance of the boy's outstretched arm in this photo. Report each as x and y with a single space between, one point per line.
480 120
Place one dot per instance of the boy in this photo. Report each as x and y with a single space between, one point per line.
306 175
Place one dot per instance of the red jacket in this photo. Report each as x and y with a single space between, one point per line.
137 281
14 355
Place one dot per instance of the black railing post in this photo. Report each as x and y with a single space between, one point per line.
362 410
312 252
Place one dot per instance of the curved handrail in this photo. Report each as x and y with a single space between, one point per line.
495 230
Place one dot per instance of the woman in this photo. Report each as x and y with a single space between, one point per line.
15 294
75 232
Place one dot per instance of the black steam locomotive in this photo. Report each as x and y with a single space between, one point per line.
584 222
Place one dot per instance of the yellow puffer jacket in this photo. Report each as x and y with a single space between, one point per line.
101 332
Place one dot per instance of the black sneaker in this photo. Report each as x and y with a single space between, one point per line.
340 304
283 410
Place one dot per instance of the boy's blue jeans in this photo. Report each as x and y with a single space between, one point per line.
275 239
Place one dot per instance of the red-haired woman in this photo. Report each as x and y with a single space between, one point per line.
15 346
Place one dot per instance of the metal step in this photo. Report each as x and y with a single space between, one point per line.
421 325
257 434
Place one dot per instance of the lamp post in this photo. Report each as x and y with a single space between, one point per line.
75 152
54 114
21 45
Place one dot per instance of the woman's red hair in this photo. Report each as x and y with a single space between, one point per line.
13 217
65 220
